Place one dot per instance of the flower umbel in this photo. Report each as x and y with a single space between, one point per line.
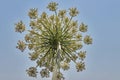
73 12
60 76
53 41
87 40
65 65
62 13
34 56
82 55
20 27
80 66
21 45
32 72
33 24
52 6
44 73
83 27
33 13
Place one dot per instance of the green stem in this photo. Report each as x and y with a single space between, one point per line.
57 62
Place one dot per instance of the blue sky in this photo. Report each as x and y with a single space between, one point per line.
103 56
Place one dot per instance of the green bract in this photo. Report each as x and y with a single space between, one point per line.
54 41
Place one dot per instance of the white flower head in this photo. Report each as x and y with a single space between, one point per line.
45 73
73 12
82 55
83 27
52 6
21 45
32 72
87 40
65 65
53 41
33 13
80 66
20 27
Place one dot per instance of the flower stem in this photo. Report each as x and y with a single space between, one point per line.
57 65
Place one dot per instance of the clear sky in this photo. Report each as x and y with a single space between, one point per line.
103 56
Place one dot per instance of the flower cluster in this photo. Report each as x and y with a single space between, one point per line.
44 73
27 38
21 45
83 27
65 65
33 24
87 40
43 15
32 72
62 13
54 41
20 27
80 66
52 6
33 13
79 36
73 12
59 76
33 56
82 55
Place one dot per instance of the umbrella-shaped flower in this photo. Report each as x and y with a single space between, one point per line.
54 41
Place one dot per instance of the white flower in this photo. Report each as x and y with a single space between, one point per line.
32 72
52 6
43 15
80 66
33 24
79 45
33 13
65 65
82 54
74 24
59 76
34 56
87 40
83 27
20 27
31 46
21 45
73 12
62 13
44 73
79 37
53 41
27 38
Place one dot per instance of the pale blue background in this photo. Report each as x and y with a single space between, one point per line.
103 57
